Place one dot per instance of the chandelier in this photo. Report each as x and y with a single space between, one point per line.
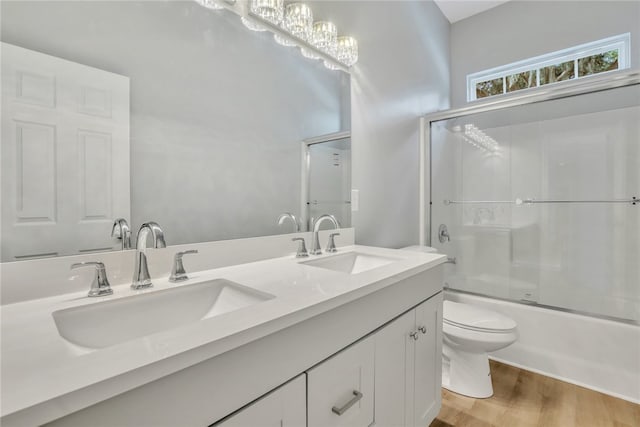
293 25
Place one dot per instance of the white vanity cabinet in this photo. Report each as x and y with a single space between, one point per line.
357 360
341 389
407 367
284 407
391 378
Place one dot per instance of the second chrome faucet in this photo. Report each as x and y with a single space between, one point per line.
315 241
141 278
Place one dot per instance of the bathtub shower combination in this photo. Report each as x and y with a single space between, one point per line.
535 200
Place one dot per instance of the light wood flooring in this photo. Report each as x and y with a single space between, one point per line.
525 399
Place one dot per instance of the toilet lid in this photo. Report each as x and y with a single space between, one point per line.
472 317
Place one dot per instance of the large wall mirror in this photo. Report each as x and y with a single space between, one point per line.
155 111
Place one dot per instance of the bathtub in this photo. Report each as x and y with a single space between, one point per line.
599 354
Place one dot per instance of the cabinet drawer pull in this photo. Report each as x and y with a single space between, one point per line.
414 335
423 329
356 397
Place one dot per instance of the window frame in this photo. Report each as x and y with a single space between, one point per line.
621 43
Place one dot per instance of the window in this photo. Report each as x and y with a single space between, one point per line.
579 61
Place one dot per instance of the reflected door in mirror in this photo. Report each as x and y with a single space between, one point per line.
330 180
65 155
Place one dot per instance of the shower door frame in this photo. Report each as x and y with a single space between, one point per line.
597 83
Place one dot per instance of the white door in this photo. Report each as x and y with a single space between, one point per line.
65 155
284 407
394 372
428 357
340 389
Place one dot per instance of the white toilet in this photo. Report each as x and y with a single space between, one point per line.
470 332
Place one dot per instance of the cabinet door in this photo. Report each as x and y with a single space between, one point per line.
340 389
428 361
283 407
394 372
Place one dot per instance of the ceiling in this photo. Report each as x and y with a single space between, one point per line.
456 10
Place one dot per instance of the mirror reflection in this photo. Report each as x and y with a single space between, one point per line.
328 178
119 113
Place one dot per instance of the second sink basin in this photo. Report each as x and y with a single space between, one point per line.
108 323
351 262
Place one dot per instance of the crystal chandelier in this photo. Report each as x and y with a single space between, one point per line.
293 25
298 21
210 4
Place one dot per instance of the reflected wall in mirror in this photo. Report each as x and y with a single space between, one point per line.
163 111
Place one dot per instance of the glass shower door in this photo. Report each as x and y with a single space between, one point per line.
537 200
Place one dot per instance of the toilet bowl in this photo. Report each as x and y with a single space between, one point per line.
470 333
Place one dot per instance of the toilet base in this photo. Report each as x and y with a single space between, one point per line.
467 373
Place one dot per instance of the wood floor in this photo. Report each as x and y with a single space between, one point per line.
524 399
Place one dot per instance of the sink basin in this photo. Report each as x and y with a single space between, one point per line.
351 262
107 323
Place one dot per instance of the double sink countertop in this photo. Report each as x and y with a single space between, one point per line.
42 372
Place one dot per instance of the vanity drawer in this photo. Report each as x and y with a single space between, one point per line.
340 389
283 407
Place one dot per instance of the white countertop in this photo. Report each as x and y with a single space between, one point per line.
42 373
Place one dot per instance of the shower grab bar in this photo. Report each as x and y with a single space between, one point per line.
328 202
634 200
462 202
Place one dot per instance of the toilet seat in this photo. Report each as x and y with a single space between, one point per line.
474 318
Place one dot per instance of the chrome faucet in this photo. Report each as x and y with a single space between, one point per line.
315 241
292 217
121 231
141 278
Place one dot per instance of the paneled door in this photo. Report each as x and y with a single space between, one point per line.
65 155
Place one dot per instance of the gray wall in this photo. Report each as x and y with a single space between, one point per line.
402 73
519 30
217 111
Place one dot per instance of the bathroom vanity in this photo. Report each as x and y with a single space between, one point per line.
350 338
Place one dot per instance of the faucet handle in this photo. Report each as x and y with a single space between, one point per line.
331 244
100 285
443 234
302 248
177 272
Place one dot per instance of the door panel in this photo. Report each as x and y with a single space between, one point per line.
428 356
394 372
